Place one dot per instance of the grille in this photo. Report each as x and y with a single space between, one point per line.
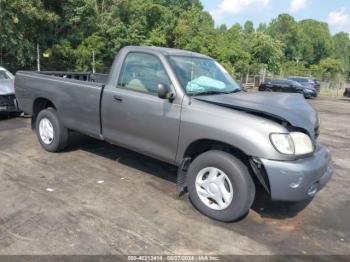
7 100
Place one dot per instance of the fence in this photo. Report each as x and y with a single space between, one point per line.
331 88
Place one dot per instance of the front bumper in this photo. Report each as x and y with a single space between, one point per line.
300 179
8 104
311 93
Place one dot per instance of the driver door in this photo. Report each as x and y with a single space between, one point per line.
132 114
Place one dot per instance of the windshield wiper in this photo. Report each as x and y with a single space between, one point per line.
234 91
216 92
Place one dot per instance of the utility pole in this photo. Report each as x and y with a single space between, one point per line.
264 74
38 57
93 62
247 77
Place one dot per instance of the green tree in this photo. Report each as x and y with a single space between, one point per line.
331 69
316 41
195 31
21 25
267 51
342 49
248 27
69 31
285 29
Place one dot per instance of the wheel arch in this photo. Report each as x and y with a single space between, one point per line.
200 146
40 104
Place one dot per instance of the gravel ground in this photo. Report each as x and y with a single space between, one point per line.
96 198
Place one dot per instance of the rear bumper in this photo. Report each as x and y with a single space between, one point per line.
301 179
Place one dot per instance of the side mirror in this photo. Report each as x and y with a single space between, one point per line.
165 92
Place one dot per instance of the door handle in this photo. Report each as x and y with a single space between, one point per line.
117 99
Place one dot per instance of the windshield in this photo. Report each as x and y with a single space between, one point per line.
5 75
202 76
296 83
300 80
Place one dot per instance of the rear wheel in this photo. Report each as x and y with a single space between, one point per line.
51 133
220 186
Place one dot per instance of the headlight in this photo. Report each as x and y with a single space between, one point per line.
302 143
294 143
283 143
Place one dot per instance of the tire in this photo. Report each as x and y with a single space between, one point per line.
237 177
301 92
59 139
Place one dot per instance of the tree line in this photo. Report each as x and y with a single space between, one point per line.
68 31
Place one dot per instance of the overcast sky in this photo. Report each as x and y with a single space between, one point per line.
335 12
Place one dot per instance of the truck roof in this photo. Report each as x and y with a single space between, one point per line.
165 51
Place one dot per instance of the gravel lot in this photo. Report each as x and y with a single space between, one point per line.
96 198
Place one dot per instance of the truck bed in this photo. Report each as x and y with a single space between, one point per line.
75 95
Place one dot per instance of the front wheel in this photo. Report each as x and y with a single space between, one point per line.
220 186
303 93
51 133
307 96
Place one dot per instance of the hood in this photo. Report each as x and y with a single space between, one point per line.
7 87
291 108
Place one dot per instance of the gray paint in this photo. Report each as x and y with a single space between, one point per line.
289 181
291 107
165 129
77 102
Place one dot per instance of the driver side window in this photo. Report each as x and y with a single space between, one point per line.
142 72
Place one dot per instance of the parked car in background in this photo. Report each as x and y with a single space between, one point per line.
317 84
347 91
288 86
8 102
306 82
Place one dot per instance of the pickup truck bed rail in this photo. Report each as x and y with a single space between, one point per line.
82 76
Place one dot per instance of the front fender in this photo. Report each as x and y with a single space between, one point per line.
244 131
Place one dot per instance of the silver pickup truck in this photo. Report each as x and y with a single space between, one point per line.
184 108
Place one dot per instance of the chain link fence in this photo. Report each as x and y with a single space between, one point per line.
328 87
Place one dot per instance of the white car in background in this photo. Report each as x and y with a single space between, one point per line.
8 102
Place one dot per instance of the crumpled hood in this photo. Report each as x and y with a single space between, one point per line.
288 107
7 87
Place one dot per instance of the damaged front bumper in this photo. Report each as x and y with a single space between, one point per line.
8 104
300 179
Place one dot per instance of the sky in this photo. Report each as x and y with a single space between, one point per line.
335 12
